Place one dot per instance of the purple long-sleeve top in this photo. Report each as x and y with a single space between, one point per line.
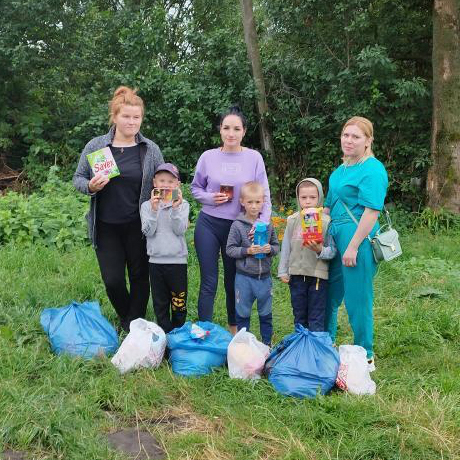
216 168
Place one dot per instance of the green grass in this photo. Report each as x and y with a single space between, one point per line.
61 408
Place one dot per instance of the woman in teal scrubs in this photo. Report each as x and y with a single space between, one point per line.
361 183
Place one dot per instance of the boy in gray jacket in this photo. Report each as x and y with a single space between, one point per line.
164 222
253 278
305 267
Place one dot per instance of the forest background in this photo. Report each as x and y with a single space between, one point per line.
323 62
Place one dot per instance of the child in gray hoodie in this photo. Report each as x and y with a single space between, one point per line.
164 222
253 278
305 267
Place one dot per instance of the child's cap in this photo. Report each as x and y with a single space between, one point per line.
168 167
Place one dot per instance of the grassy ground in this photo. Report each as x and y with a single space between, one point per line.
61 408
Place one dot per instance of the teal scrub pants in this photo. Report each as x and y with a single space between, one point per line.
354 285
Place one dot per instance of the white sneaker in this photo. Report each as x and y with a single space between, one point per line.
371 365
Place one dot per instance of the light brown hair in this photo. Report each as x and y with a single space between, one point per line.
123 96
367 128
253 188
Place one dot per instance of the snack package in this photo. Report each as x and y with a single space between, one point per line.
166 194
312 225
197 332
102 161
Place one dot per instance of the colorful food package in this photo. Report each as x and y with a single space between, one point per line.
102 161
166 194
312 225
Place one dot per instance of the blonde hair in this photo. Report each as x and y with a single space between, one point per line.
124 96
253 188
367 128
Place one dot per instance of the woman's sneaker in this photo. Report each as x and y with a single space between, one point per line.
371 365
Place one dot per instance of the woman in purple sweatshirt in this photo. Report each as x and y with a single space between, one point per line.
232 165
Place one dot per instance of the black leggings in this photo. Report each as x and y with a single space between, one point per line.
211 235
121 246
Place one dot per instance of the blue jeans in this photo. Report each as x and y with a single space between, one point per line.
211 235
248 289
308 300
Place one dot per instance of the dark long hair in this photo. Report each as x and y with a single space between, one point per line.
233 110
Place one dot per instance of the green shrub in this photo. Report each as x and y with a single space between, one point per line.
52 216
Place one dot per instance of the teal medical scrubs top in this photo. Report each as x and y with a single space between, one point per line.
359 186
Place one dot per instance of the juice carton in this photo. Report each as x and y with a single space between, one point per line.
312 225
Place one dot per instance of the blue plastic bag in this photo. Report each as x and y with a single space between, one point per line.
303 363
194 353
79 330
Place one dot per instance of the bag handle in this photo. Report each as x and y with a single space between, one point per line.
387 217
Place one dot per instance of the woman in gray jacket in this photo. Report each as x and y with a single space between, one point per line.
114 224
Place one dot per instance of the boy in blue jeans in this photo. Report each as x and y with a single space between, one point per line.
253 278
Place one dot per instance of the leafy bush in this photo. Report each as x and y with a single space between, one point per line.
437 221
52 216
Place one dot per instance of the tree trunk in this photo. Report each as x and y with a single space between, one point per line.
250 37
443 184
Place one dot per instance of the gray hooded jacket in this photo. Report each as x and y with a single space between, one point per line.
296 259
151 158
165 231
238 243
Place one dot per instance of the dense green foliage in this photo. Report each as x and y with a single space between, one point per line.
52 216
57 407
327 62
60 61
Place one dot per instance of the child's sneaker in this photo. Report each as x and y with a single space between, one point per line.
371 365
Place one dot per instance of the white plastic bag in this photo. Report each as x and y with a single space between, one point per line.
144 346
246 356
354 375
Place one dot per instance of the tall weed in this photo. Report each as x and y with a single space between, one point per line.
437 221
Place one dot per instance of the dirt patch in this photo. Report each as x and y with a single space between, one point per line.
13 455
172 420
135 439
184 419
139 445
